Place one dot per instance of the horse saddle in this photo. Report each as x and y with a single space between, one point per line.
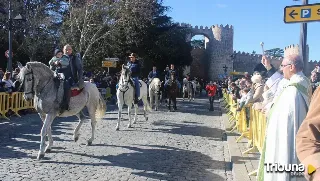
59 79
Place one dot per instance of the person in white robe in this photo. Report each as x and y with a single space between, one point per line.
284 119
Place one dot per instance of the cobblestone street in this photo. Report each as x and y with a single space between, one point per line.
182 145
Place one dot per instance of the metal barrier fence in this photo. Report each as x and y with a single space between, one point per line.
14 102
252 129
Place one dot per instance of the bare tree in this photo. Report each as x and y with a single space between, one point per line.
93 22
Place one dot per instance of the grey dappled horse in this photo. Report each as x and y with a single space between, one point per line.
125 96
188 90
154 91
38 83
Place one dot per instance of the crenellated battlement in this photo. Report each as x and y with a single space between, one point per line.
249 55
314 61
226 27
293 46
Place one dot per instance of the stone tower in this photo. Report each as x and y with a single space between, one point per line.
219 45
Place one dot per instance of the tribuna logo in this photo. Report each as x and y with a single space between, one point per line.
293 169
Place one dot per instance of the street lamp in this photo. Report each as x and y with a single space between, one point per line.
17 18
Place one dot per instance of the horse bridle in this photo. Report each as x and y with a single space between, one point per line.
32 79
23 82
125 87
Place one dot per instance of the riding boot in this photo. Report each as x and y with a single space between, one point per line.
135 100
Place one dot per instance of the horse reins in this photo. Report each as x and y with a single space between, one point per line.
32 89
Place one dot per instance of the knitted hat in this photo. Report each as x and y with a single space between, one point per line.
57 51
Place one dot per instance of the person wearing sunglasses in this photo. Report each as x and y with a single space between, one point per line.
284 120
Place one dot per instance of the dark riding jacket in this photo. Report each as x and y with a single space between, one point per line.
134 68
169 73
153 75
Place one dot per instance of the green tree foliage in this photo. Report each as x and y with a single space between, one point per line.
276 52
198 44
97 29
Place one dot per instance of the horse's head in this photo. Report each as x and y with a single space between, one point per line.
173 76
185 81
26 79
156 85
124 77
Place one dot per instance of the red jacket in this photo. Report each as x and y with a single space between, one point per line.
212 89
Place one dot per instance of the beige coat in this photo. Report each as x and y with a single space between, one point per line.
308 136
258 91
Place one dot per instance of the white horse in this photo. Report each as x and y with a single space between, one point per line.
154 91
125 96
38 83
188 90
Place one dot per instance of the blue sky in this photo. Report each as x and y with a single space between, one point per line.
253 20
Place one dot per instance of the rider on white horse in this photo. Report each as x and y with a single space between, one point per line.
168 76
71 68
153 74
134 67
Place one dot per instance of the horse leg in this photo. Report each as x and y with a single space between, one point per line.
76 130
156 102
92 114
49 134
194 94
136 107
119 115
151 99
48 147
170 103
145 108
44 130
175 103
183 95
129 115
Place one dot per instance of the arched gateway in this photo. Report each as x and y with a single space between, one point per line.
219 44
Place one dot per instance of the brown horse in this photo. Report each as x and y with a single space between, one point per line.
172 91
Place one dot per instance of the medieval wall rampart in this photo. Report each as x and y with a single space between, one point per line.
246 62
219 44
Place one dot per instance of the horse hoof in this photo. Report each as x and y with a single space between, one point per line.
75 139
147 118
48 151
117 129
40 156
89 143
129 126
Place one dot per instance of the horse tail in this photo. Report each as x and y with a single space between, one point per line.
101 108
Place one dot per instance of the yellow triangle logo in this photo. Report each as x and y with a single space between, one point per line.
311 169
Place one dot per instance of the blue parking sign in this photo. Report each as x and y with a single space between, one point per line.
305 13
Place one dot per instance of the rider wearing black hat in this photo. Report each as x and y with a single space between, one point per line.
134 67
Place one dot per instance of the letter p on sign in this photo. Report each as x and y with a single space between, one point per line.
305 13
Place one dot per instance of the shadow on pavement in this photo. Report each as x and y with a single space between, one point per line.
158 162
192 130
20 134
